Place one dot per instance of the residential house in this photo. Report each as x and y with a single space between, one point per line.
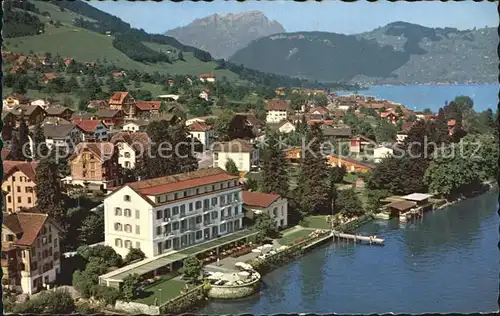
97 104
256 203
168 97
44 103
110 118
286 127
390 116
135 126
319 113
19 181
93 130
59 111
204 95
33 114
48 77
360 144
382 152
13 101
31 257
170 213
293 155
350 164
147 108
276 111
245 126
244 154
338 134
62 134
207 78
405 128
67 61
123 101
95 166
131 147
118 74
202 132
200 119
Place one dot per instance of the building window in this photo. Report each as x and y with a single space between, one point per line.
127 155
223 200
175 210
137 245
199 234
237 224
175 225
236 210
19 189
223 227
126 198
18 199
128 228
275 211
236 196
199 219
10 237
118 227
8 188
183 209
215 214
190 207
137 229
158 230
198 205
9 199
214 201
229 198
55 242
197 191
175 196
127 212
137 214
118 242
128 244
168 244
29 200
229 211
118 211
158 214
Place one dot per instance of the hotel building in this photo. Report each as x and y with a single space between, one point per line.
170 213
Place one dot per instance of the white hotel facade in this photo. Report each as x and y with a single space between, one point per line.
171 213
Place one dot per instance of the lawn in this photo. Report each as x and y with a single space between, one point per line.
289 239
317 222
164 290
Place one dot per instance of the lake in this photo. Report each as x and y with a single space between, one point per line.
419 97
446 262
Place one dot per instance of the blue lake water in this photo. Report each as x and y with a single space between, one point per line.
433 97
447 262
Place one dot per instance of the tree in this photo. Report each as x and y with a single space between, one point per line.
312 189
266 226
180 56
231 167
441 128
385 131
349 204
49 191
57 302
92 228
24 141
39 146
16 150
373 199
427 111
191 269
71 84
337 174
320 99
222 124
274 167
134 254
130 286
251 184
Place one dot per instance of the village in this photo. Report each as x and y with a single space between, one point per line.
231 201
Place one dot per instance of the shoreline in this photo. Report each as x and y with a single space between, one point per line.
491 185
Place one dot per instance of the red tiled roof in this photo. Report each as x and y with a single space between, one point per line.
28 224
87 125
277 105
320 109
118 97
325 122
406 126
49 76
199 127
28 168
148 105
181 181
259 199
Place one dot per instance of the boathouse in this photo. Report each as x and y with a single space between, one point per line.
422 200
399 208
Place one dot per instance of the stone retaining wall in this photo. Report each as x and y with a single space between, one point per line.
234 291
137 308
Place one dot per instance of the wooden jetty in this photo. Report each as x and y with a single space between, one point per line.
358 238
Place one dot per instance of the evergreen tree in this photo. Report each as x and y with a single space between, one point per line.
16 150
274 167
312 189
39 145
441 125
24 141
49 191
231 167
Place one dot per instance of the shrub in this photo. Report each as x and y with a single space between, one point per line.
134 254
108 294
129 287
49 302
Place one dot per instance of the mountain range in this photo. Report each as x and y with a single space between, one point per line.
398 53
223 35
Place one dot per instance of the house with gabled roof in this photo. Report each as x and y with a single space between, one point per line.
31 257
93 130
244 154
62 134
131 147
274 205
276 111
18 185
147 108
135 126
59 111
110 118
202 132
95 166
123 101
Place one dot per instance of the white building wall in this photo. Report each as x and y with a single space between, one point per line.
130 127
287 128
276 116
126 157
278 211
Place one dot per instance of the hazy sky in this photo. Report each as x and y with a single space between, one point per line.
329 16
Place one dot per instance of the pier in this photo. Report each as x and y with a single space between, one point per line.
372 240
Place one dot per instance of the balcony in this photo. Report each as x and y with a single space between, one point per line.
168 235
